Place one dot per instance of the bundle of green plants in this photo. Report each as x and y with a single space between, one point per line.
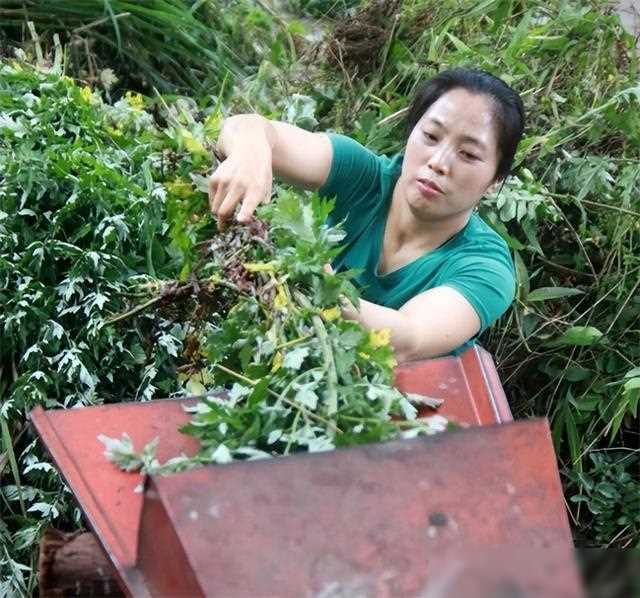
265 324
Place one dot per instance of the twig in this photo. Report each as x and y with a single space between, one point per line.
623 306
295 341
36 43
393 116
565 269
330 366
6 437
136 310
597 204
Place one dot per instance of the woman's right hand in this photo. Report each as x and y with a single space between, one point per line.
256 150
244 177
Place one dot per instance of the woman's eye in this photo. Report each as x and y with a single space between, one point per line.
469 156
429 136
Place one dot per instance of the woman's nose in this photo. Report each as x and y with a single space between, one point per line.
439 162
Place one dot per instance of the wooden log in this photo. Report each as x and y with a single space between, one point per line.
74 564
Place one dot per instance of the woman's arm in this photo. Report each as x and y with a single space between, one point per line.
430 324
255 150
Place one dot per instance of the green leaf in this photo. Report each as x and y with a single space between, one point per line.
522 276
307 396
579 336
572 436
576 373
547 293
294 215
259 392
293 359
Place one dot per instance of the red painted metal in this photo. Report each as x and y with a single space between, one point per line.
469 384
107 495
364 521
473 396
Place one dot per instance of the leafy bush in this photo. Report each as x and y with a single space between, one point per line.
82 214
610 489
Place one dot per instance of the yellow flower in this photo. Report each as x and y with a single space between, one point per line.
379 338
135 100
116 132
391 362
190 143
280 300
278 360
86 94
331 314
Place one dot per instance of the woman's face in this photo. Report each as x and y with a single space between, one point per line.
453 148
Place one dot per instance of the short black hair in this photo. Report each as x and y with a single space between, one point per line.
508 109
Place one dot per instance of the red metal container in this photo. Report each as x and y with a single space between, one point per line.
382 515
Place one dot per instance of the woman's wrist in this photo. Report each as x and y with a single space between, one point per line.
246 135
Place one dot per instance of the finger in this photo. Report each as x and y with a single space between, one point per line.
249 205
268 195
229 203
222 189
212 185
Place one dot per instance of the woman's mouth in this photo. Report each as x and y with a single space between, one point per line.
428 189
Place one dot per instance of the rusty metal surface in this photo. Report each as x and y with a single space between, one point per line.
366 521
469 385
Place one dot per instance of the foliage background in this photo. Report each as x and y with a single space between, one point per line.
101 202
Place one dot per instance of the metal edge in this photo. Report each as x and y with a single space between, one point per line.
459 361
546 428
494 386
153 493
56 449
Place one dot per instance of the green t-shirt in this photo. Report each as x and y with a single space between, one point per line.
475 261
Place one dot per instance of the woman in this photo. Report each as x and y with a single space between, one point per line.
433 272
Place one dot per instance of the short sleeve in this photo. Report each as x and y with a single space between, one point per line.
353 177
486 282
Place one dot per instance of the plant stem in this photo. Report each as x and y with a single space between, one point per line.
293 429
135 311
332 374
289 402
295 341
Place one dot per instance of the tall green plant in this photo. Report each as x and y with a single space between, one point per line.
172 45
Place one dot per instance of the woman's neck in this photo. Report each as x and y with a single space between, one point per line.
405 231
